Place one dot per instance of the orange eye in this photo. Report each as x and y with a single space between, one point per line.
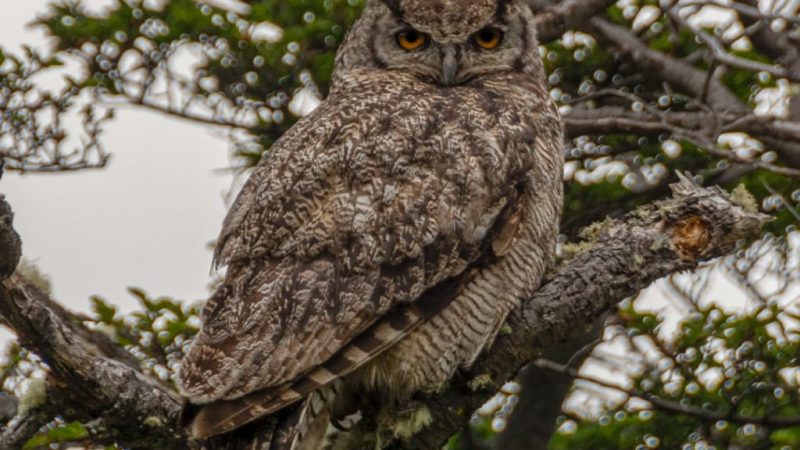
488 38
411 40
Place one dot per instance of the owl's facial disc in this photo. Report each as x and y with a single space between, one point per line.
446 55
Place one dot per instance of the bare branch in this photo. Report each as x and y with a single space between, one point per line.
677 72
613 119
722 56
553 21
669 406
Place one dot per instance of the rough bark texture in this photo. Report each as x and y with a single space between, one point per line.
98 380
90 374
10 245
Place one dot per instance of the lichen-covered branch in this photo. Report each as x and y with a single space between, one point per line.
627 254
96 378
28 422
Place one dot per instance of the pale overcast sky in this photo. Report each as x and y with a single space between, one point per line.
144 221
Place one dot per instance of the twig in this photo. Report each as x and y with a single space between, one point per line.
722 56
669 406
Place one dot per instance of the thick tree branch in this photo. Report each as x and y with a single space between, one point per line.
10 245
92 375
533 422
647 244
553 21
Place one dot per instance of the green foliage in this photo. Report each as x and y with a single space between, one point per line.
70 432
157 334
736 370
240 67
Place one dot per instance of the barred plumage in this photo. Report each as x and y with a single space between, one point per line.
382 243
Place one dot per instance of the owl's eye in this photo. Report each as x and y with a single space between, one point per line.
488 38
411 40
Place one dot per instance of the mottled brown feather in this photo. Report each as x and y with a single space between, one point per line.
386 236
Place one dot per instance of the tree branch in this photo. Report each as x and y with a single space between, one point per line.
677 72
543 392
613 119
553 21
10 244
669 406
94 376
99 382
647 244
775 45
23 427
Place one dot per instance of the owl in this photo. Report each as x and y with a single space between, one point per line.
381 243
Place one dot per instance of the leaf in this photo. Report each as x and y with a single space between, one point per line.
74 431
104 311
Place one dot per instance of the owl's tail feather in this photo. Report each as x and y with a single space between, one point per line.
223 416
311 427
305 426
326 417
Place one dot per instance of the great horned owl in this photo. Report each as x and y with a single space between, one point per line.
383 240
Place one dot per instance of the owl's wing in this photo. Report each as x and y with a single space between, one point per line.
344 224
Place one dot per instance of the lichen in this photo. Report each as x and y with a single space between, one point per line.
505 329
591 232
658 244
33 397
569 250
153 422
480 382
742 197
35 276
412 423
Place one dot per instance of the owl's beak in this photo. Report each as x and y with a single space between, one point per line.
449 65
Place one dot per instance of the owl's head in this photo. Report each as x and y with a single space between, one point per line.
444 42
